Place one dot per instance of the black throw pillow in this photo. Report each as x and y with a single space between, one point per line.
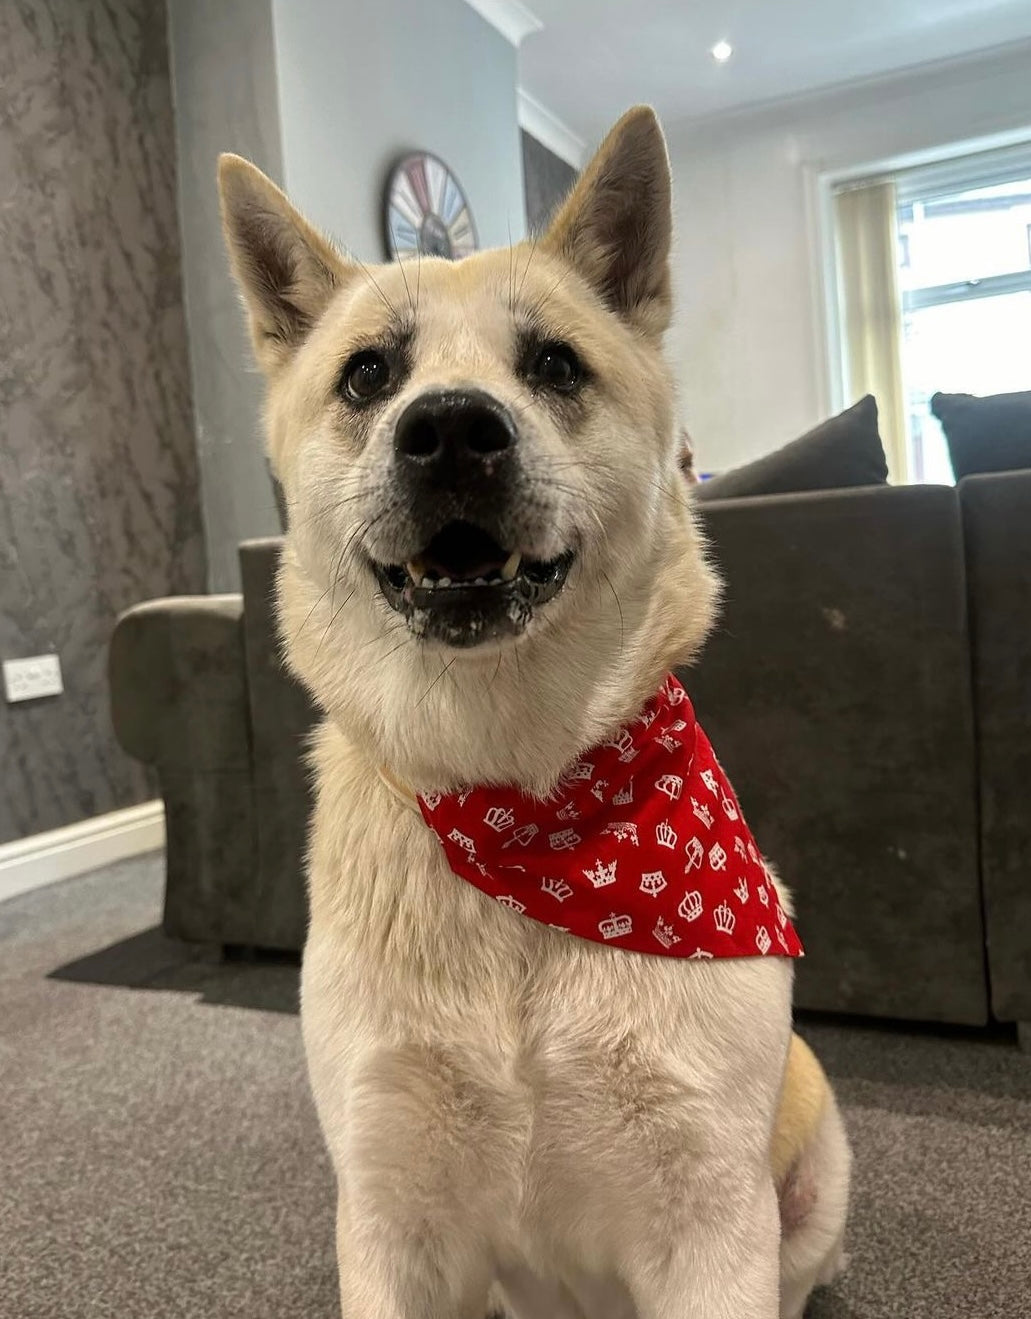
845 450
990 434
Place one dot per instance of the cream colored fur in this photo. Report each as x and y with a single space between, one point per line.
511 1112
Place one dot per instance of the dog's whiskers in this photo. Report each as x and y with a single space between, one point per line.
445 668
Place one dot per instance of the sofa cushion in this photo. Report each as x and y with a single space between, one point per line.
991 434
845 450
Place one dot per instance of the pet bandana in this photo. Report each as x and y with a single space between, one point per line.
642 846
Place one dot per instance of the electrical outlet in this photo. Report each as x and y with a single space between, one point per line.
27 679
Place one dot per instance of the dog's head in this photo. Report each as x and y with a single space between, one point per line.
490 555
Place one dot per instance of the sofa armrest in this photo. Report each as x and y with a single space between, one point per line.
836 689
178 685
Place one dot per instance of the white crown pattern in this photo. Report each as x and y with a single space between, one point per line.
558 888
695 851
671 784
699 955
514 904
724 919
431 800
524 835
666 835
624 796
615 927
709 779
581 772
667 743
691 906
624 831
499 818
463 841
653 882
563 839
762 940
741 889
717 857
665 934
601 875
729 809
568 812
739 848
702 812
599 789
764 894
623 743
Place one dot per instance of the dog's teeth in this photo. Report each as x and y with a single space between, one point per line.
511 567
415 571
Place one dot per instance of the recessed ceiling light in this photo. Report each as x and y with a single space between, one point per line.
722 52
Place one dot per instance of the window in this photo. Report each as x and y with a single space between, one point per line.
933 293
964 272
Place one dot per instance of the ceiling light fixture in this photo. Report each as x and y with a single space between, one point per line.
722 52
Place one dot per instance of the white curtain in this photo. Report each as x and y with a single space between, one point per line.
871 309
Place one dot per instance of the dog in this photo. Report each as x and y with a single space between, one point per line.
492 563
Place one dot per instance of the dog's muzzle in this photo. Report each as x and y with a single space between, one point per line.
459 473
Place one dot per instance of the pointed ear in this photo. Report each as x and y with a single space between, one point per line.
286 270
615 226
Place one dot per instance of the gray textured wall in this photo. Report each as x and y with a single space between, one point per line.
360 84
224 70
547 179
98 476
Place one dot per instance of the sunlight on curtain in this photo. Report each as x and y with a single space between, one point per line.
871 309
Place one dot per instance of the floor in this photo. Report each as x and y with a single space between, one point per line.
160 1157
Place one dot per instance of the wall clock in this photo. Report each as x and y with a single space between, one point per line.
426 210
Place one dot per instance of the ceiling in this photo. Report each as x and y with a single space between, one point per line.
592 58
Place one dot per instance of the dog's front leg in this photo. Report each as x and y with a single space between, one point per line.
389 1272
726 1266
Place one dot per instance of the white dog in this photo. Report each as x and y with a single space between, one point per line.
492 565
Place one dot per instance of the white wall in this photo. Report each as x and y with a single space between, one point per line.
747 342
360 84
323 95
224 92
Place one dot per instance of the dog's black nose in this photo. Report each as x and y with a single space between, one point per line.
454 433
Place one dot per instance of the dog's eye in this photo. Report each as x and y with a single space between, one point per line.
365 375
556 367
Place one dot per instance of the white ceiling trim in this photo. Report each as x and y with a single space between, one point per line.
549 129
513 20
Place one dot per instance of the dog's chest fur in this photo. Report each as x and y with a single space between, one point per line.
532 1082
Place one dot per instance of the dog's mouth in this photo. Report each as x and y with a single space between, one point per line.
465 589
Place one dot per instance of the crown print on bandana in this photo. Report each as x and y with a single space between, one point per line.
643 846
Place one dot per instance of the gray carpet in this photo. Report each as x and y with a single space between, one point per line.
159 1154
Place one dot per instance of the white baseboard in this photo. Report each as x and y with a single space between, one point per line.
29 863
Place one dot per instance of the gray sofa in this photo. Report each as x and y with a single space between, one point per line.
868 689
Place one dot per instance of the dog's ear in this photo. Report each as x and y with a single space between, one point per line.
286 270
615 226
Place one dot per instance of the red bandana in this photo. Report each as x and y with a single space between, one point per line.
643 846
